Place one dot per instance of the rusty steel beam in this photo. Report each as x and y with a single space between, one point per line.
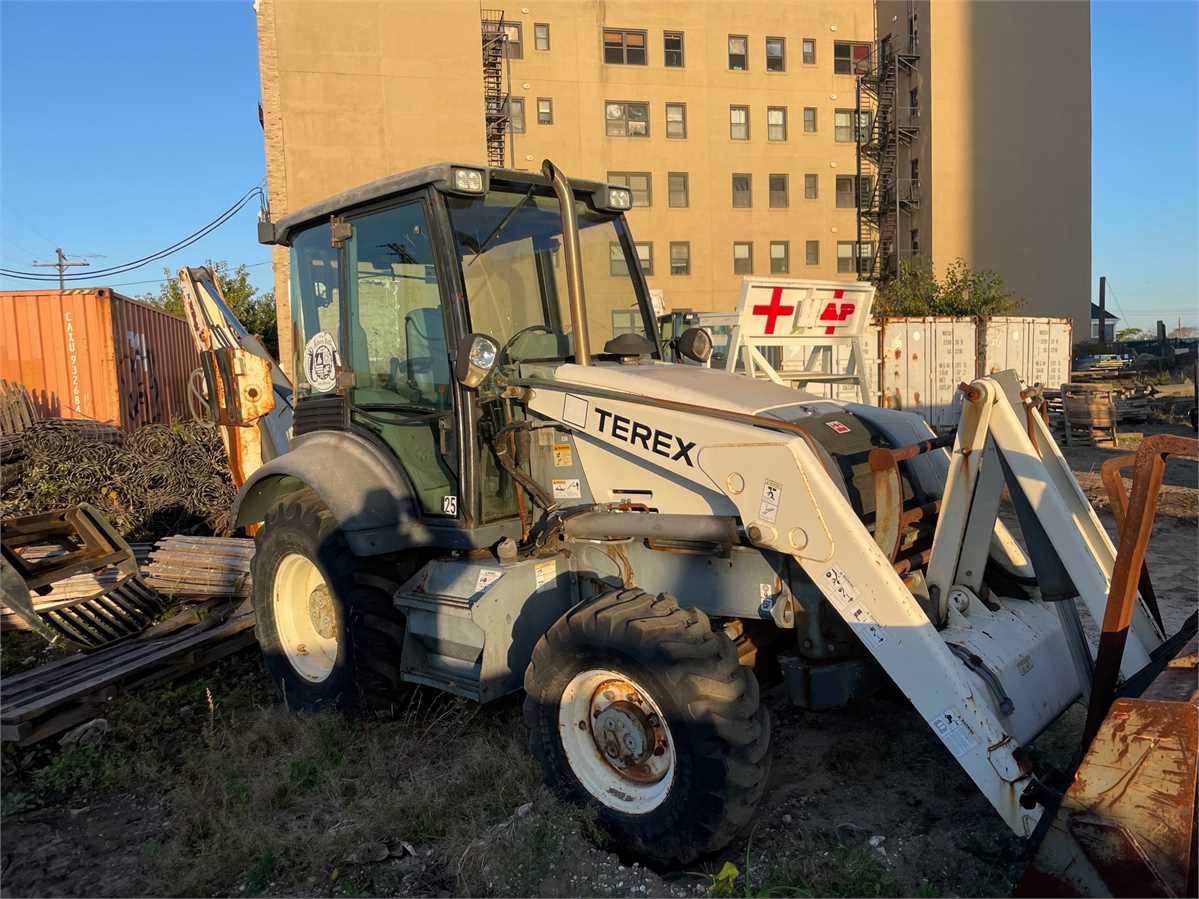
1150 463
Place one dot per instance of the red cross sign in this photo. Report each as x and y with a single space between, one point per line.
775 310
834 312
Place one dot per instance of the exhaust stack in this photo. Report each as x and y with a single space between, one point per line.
574 261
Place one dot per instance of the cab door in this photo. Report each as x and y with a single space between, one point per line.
394 343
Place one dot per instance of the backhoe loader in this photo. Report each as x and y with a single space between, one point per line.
497 483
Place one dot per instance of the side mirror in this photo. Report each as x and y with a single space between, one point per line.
695 344
475 360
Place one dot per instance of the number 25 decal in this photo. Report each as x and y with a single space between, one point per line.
449 505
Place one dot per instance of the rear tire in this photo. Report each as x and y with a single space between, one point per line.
329 632
639 709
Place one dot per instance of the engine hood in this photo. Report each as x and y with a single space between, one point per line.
688 384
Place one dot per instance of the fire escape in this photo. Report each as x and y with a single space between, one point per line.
888 119
496 70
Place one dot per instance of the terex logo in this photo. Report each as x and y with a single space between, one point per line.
836 312
669 446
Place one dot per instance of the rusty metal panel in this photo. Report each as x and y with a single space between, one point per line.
154 355
1127 825
92 353
922 360
1039 349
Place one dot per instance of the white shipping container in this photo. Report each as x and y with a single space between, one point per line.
922 362
1038 348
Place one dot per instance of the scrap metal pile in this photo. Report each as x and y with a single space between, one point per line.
155 482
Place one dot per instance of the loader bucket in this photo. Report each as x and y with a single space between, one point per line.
40 551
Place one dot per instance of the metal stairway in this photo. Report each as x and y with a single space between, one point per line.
892 124
496 115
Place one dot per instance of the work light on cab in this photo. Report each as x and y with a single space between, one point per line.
476 359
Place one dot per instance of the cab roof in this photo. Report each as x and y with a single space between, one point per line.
280 232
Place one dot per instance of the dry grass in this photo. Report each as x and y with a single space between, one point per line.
263 801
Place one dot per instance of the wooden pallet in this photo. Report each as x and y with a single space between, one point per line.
47 700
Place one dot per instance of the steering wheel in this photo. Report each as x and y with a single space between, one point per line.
502 355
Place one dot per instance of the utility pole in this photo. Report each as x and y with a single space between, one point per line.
62 264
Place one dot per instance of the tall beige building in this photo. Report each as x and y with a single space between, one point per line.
735 124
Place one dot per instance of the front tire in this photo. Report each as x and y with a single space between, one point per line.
639 709
329 632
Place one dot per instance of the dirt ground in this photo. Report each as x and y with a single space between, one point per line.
208 788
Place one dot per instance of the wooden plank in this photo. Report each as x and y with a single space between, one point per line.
115 670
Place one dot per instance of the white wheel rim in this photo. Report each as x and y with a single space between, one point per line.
304 617
617 741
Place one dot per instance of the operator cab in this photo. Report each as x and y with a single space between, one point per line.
390 282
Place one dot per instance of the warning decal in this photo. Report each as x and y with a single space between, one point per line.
772 495
954 733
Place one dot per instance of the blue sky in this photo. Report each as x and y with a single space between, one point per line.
125 126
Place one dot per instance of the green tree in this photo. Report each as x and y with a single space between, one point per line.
961 291
1132 334
253 309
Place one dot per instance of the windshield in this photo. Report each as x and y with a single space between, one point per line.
509 244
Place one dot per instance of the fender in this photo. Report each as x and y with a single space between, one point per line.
366 491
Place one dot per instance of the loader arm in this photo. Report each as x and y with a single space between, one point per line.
1000 669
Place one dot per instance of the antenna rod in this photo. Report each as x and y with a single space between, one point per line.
62 264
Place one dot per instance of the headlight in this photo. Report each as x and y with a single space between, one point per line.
476 359
468 180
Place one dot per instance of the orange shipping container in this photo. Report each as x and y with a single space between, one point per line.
92 353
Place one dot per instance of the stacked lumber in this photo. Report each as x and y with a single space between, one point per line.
1132 403
184 566
48 699
16 408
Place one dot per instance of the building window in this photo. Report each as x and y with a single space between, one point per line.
809 120
624 47
680 257
780 257
545 111
516 114
626 119
739 122
914 101
843 126
811 252
845 193
809 51
638 184
677 190
676 119
645 256
541 36
742 190
915 241
672 49
776 122
845 256
865 190
811 187
616 261
738 52
514 47
743 258
778 192
850 58
776 54
864 123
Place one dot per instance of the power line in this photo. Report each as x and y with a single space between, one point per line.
181 244
160 280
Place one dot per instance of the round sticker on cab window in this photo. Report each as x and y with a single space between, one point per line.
320 362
